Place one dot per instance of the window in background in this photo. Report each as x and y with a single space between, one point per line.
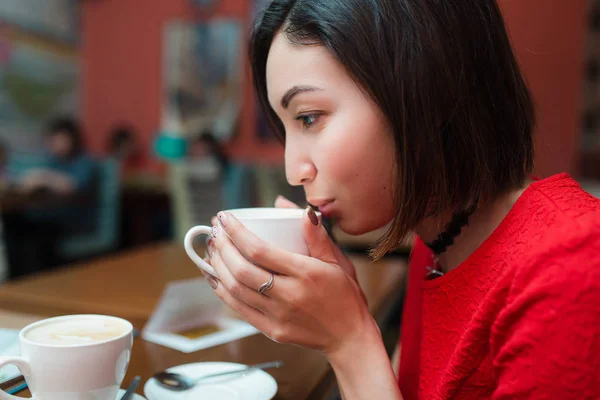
590 146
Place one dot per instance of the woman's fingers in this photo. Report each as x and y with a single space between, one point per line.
316 237
253 248
236 288
248 313
243 270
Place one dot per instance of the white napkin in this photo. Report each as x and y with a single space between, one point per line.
9 346
190 304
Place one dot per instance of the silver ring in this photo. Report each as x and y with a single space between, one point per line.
267 285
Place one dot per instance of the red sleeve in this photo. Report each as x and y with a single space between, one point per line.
546 342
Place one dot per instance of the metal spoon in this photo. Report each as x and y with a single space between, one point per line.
179 382
131 389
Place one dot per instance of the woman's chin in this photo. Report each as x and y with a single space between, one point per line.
351 227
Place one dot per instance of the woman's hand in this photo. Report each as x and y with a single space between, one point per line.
342 260
45 178
314 301
33 180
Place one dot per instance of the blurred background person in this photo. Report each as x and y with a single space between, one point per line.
236 180
4 176
4 181
123 146
61 195
207 146
67 170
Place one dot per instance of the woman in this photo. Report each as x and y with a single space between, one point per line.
68 170
207 145
66 182
123 147
415 112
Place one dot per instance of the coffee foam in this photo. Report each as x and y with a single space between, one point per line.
76 331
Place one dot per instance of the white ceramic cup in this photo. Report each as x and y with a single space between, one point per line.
279 226
90 371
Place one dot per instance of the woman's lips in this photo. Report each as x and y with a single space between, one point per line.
327 209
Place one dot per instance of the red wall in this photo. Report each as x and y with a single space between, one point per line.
549 39
122 60
122 64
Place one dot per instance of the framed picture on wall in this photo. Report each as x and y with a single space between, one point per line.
38 81
202 75
53 19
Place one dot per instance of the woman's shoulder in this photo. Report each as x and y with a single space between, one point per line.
571 254
550 239
563 194
555 264
562 236
549 310
554 214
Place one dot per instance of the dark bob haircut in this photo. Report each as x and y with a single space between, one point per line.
70 127
445 77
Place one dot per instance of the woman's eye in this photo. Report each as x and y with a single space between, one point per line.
307 120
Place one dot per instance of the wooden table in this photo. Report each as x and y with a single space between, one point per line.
129 286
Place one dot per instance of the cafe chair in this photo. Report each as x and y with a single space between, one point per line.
200 189
105 235
3 259
196 190
239 186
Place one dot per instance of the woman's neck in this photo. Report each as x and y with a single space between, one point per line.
481 225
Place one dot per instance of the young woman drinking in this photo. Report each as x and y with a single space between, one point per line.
414 113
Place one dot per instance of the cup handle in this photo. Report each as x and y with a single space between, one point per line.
189 248
23 366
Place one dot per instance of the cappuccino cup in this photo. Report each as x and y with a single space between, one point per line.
281 227
75 357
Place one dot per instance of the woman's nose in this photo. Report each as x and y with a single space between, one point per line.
299 171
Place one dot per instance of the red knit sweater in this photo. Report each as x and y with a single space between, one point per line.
520 318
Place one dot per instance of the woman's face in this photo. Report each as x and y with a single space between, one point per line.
338 143
60 144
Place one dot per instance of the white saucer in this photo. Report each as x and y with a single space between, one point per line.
135 395
256 385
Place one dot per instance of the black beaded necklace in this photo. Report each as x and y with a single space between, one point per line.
446 239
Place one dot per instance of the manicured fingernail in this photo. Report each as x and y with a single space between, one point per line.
312 216
212 282
223 218
214 232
